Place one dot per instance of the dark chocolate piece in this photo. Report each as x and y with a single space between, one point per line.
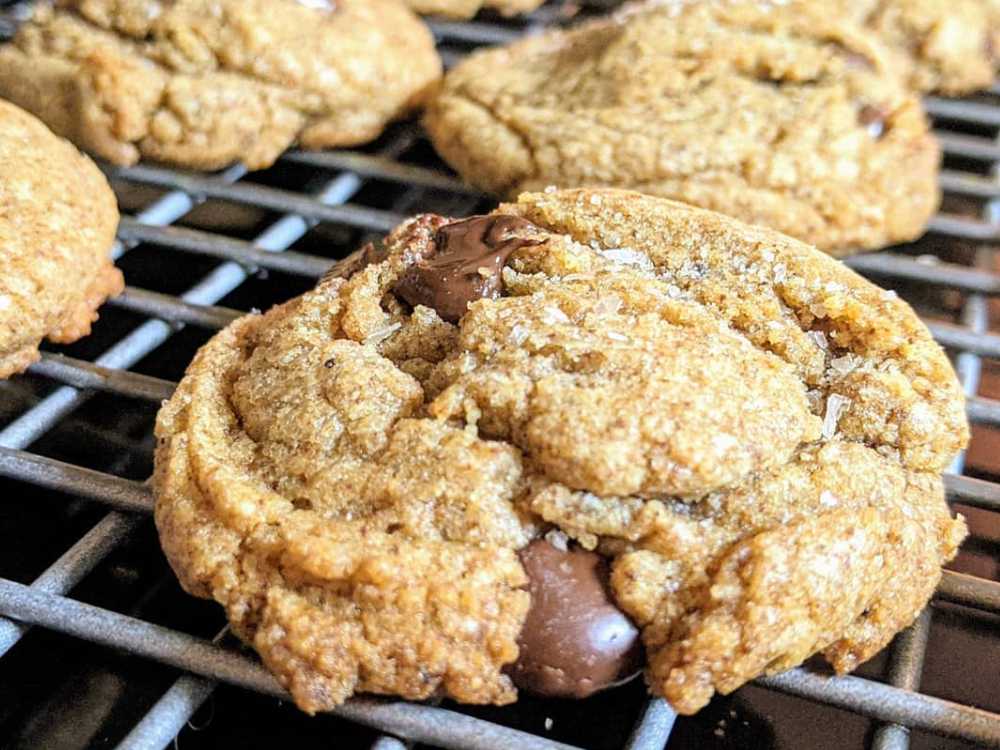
873 118
464 265
345 268
575 641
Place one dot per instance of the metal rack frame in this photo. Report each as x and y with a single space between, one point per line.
896 703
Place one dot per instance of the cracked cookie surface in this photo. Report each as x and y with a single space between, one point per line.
204 83
58 218
793 120
748 433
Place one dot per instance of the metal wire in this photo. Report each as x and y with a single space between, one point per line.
44 603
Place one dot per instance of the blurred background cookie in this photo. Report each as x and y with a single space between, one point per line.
204 83
58 218
788 118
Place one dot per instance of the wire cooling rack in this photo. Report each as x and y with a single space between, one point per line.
198 250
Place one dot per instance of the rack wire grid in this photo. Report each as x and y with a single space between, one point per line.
127 660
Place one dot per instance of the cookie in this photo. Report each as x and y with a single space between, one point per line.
492 452
58 218
204 83
469 8
948 46
795 121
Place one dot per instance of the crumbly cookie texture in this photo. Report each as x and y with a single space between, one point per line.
949 46
793 120
204 83
469 8
750 433
58 218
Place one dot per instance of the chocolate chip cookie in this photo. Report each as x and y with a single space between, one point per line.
947 46
203 83
490 453
58 218
793 120
469 8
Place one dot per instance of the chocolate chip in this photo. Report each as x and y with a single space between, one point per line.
345 268
873 119
575 641
464 265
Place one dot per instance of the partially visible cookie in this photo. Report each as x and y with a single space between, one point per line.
203 83
792 120
58 218
487 453
949 46
469 8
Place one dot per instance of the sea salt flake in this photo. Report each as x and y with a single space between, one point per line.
377 337
835 405
518 334
819 338
843 365
615 336
628 257
557 539
828 500
553 315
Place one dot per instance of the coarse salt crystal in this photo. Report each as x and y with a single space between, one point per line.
819 338
518 334
377 337
628 257
557 539
843 365
552 315
835 405
828 500
615 336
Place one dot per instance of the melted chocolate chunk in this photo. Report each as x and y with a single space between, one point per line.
464 265
575 641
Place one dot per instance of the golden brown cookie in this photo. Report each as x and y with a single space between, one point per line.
428 475
947 46
58 218
203 83
788 119
469 8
